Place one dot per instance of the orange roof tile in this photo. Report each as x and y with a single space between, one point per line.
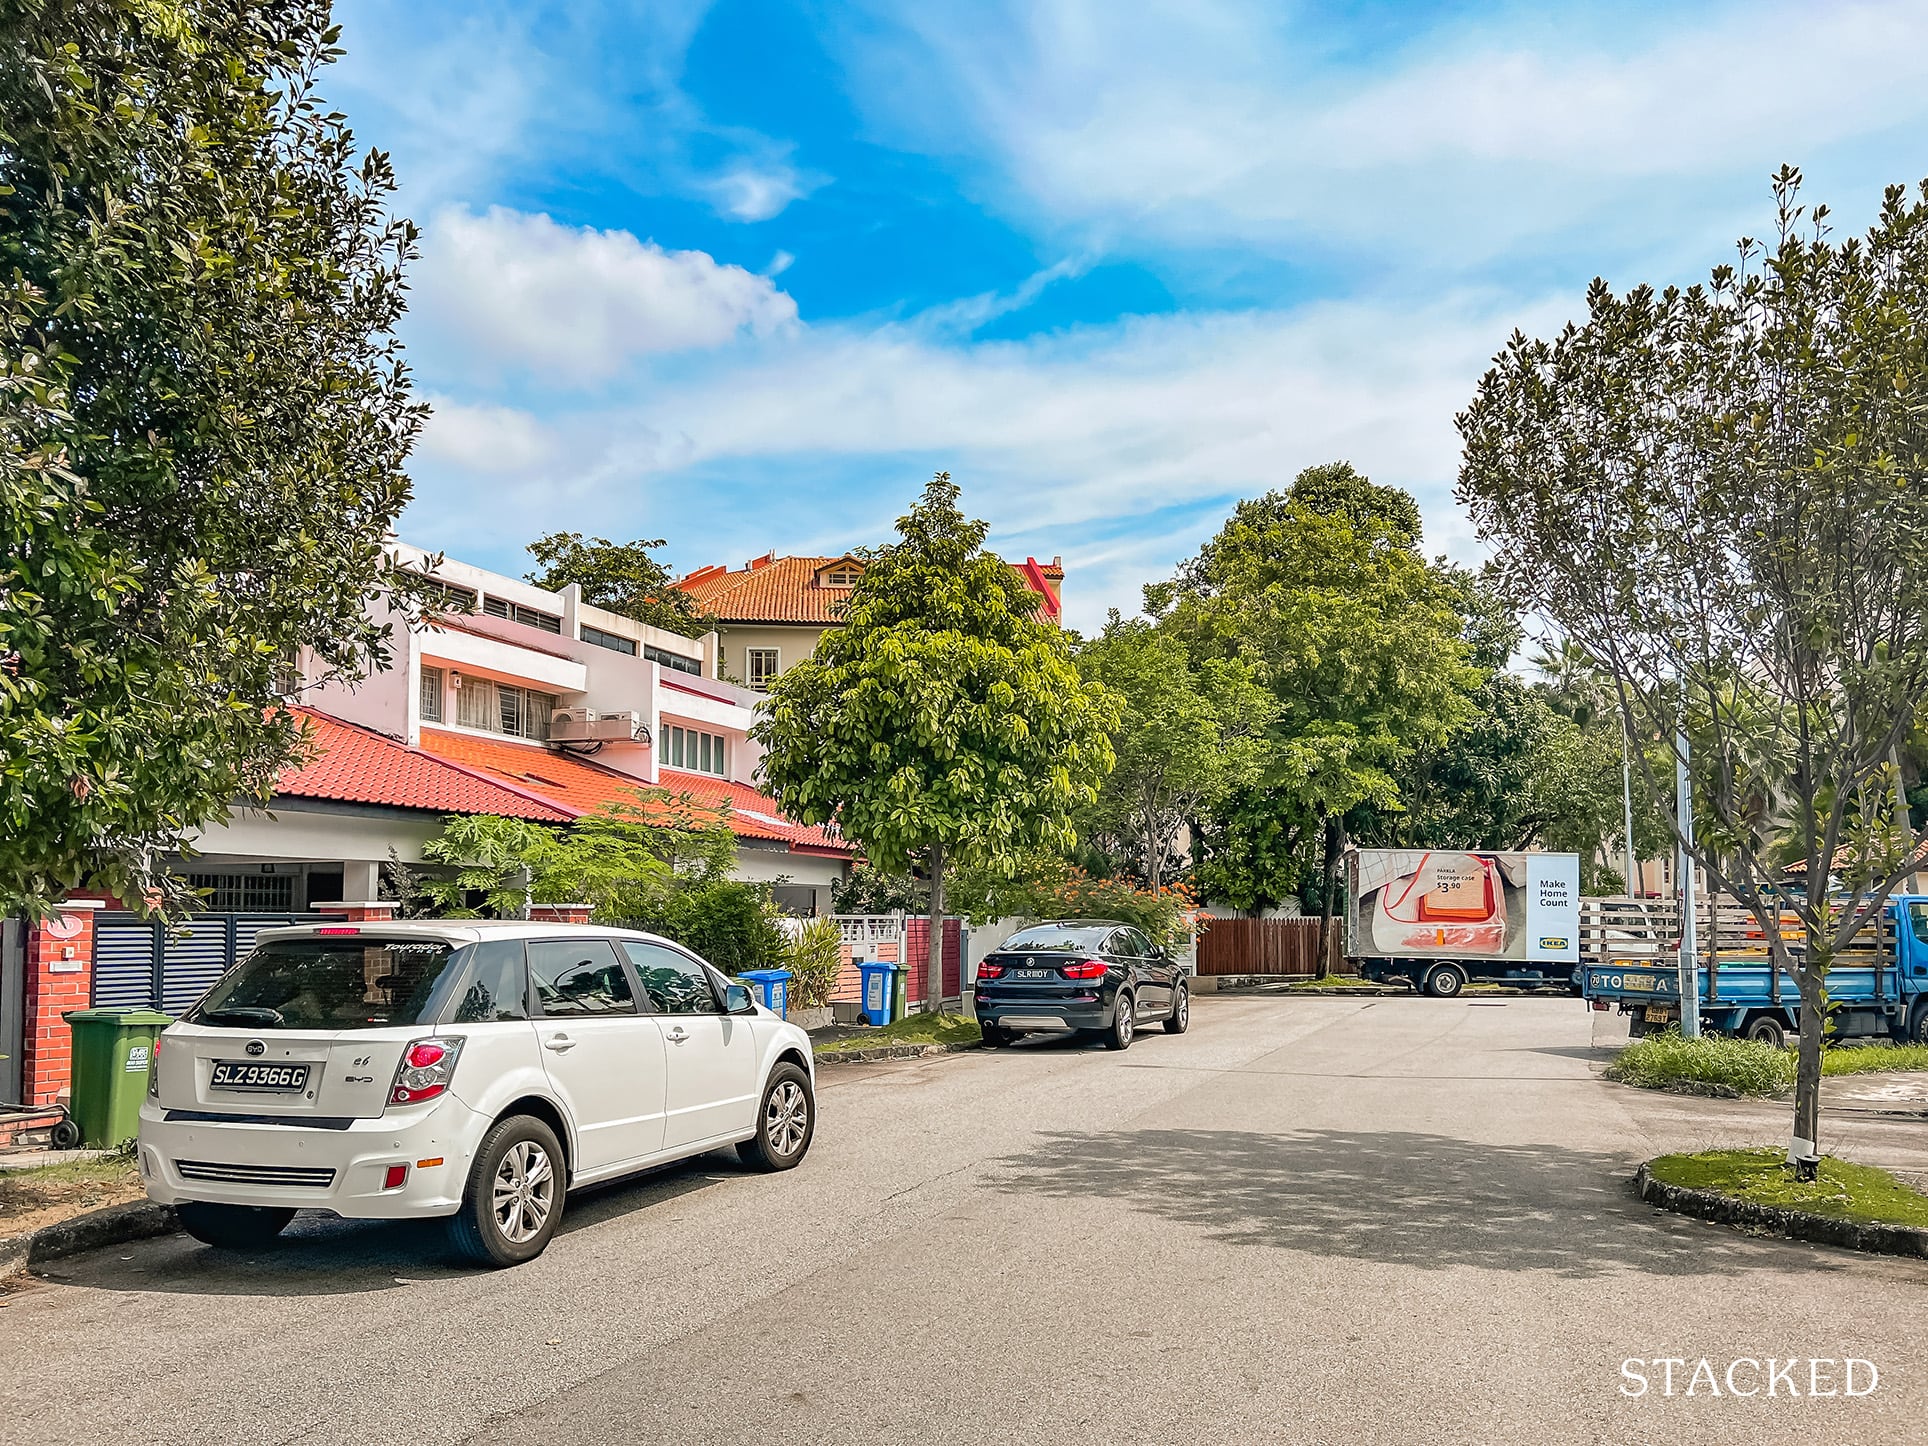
752 814
358 765
463 773
786 590
580 786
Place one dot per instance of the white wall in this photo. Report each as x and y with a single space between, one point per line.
298 833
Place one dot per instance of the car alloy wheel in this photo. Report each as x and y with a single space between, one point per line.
785 1121
1124 1024
786 1117
1181 1019
513 1200
525 1192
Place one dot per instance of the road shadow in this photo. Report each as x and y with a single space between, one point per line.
1592 1053
320 1254
1398 1197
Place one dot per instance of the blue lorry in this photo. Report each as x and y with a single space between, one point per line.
1878 988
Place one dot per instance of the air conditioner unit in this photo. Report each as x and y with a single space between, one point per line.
573 725
624 727
586 725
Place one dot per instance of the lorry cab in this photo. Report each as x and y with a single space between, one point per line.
1877 987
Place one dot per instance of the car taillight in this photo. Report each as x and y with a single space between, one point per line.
1089 969
154 1071
990 971
425 1071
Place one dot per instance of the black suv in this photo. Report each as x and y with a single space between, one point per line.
1080 974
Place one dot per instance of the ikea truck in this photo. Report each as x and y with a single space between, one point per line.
1440 918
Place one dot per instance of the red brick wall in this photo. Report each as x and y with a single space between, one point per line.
60 977
560 913
917 933
379 912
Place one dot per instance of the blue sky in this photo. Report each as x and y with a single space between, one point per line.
742 275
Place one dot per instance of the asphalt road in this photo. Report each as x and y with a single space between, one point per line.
1309 1220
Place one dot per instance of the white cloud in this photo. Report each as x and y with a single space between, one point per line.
1110 445
506 289
1231 123
486 439
747 192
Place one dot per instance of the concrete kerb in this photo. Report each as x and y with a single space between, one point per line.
891 1051
115 1225
1772 1220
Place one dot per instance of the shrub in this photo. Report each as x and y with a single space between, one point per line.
815 962
1745 1066
870 890
727 921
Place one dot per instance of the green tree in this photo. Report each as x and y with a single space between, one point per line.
943 722
203 420
1360 639
871 890
619 576
1718 493
1259 848
626 860
1187 736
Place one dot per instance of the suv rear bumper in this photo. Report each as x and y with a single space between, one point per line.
1016 1014
305 1167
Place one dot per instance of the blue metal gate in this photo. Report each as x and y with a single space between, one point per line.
168 966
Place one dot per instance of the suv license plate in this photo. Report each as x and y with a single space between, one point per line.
1033 973
234 1074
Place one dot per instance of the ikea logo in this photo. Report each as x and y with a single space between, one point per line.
1548 942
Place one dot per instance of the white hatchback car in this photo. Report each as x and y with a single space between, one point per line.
472 1070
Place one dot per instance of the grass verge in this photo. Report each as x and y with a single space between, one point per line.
1872 1058
48 1194
1745 1066
1335 981
1762 1177
912 1029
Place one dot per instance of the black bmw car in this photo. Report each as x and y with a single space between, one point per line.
1080 974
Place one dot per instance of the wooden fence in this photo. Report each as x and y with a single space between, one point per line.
1266 946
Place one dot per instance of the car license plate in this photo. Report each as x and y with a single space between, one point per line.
1033 973
233 1074
1659 1014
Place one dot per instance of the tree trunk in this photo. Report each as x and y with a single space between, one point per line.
1804 1153
934 949
1328 880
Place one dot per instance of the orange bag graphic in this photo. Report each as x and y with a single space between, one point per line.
1450 901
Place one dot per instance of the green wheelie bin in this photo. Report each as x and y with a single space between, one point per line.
113 1051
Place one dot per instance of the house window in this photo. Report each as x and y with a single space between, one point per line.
503 708
762 663
246 893
432 682
287 673
612 641
674 661
475 703
842 577
497 607
697 751
446 597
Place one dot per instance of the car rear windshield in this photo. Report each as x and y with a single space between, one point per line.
1058 939
349 983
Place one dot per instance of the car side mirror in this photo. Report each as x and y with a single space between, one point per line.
737 999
